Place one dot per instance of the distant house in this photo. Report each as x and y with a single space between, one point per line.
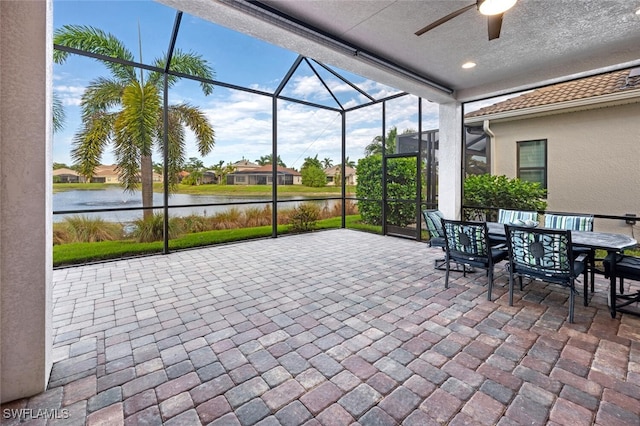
109 174
579 139
65 175
209 176
263 175
105 174
243 165
333 175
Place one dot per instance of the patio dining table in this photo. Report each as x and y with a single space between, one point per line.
611 242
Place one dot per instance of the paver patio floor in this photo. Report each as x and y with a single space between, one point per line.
330 328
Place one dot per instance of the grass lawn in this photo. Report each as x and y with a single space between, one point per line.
79 253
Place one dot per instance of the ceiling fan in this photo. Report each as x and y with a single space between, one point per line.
494 9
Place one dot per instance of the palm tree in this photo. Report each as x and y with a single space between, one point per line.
268 159
126 109
327 162
375 147
221 171
349 163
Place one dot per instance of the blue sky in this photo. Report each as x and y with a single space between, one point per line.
242 120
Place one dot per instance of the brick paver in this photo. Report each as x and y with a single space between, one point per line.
329 328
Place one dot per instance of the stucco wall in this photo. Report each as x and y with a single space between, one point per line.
593 159
449 159
25 198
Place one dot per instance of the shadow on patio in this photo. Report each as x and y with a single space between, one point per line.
328 328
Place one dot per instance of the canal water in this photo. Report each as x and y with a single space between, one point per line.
115 197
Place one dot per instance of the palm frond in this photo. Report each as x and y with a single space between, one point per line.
127 154
197 121
90 142
140 109
101 95
94 40
176 146
134 131
58 114
187 63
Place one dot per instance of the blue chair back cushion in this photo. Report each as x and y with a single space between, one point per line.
540 253
466 238
433 219
574 223
512 216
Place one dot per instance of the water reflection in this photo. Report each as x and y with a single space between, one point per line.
113 198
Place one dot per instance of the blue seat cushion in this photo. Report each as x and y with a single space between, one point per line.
575 223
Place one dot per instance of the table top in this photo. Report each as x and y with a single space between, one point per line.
592 239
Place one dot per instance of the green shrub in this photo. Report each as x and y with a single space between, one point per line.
256 216
401 185
228 219
83 229
152 229
313 176
304 217
193 223
489 191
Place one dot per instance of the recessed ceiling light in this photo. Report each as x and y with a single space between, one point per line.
638 11
468 65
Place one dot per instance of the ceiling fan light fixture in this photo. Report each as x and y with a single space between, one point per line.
495 7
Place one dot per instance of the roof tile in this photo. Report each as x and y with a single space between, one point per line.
598 85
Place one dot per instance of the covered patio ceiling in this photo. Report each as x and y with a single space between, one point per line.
541 42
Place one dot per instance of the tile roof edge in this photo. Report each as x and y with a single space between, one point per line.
557 107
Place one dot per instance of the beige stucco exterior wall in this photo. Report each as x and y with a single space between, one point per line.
593 160
25 197
450 160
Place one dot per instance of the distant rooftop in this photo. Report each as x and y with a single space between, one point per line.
603 84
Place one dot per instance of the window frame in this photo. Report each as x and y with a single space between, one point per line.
543 168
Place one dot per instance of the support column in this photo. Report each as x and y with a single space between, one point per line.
25 197
450 160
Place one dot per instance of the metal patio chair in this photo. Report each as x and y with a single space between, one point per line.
628 267
433 220
467 243
576 223
545 255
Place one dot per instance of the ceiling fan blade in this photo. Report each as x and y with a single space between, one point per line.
445 19
495 24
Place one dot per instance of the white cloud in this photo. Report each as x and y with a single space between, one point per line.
69 95
243 121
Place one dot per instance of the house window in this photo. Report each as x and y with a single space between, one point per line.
241 179
532 161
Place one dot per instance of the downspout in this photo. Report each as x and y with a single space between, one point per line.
487 130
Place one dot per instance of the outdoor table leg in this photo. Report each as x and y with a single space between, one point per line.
612 284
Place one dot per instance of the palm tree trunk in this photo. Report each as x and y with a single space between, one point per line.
146 178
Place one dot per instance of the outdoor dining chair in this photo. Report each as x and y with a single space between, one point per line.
628 267
576 223
433 220
512 217
467 243
544 255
